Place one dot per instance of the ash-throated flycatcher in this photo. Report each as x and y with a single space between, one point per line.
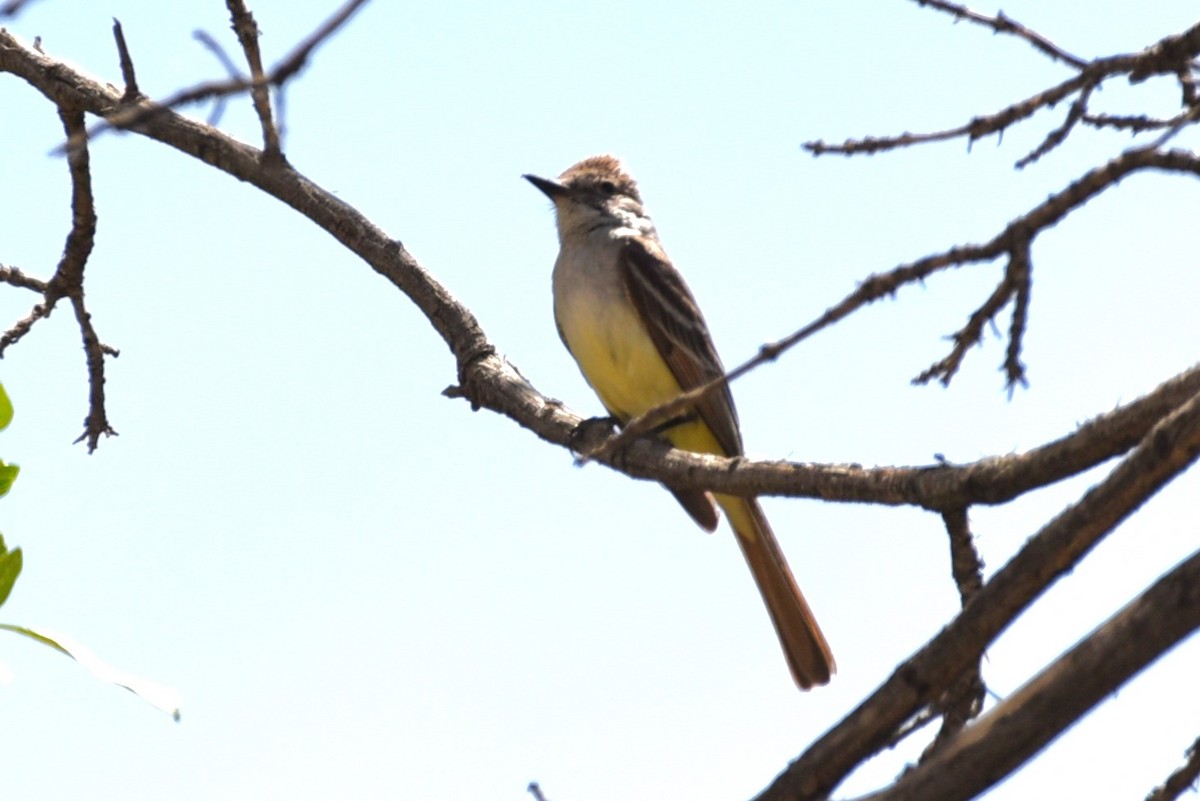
626 315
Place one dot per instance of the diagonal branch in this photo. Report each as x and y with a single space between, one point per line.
296 60
1059 135
1015 241
1169 56
1023 724
1172 55
13 276
1169 449
1014 285
975 129
1003 24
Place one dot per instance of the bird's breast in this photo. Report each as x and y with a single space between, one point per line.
604 332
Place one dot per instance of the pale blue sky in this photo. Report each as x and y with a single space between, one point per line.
363 590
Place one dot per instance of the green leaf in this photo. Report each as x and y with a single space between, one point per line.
6 409
8 474
10 568
159 695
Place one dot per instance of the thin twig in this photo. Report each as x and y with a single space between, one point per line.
910 727
127 73
260 92
12 275
964 700
1059 135
14 7
959 705
1004 24
966 565
1187 85
1180 123
218 52
68 278
1172 55
133 115
971 333
1134 123
22 327
974 130
1182 779
296 60
1021 269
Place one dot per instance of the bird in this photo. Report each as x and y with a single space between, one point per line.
633 326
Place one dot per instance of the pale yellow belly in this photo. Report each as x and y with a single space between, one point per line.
622 364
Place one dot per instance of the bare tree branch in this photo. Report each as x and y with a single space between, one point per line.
1010 240
247 33
1028 720
218 52
236 84
1182 779
976 129
127 72
1059 135
13 276
1015 241
965 562
296 60
1014 285
1002 24
68 279
1172 55
1170 448
964 700
993 480
1133 123
13 7
1159 434
23 326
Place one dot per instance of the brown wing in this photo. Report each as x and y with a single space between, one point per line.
678 330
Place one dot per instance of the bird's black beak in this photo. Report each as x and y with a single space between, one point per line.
551 189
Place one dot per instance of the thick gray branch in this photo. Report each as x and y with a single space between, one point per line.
1169 449
990 749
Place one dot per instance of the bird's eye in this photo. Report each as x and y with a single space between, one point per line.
608 187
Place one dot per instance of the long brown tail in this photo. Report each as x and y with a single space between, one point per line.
804 645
